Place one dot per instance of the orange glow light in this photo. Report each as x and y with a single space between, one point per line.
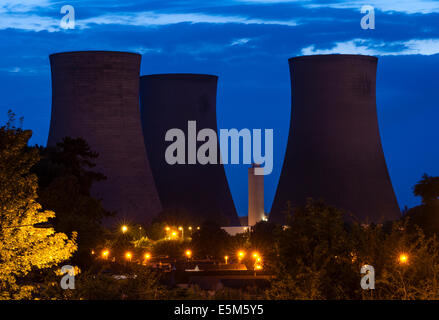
403 258
128 255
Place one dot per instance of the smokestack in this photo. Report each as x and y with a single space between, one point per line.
256 210
334 148
169 101
96 97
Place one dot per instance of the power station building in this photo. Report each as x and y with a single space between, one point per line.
96 97
334 148
170 101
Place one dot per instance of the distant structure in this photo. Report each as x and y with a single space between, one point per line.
169 101
96 97
334 149
256 210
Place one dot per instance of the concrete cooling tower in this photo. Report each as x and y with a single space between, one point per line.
334 149
96 97
169 101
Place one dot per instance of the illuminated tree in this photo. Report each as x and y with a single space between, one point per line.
23 246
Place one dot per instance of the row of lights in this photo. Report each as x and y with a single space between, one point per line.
255 255
188 253
172 233
403 257
105 254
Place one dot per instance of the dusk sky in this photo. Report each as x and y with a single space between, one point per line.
246 43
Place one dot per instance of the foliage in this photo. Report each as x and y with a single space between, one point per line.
320 257
264 238
313 256
171 248
210 241
414 279
22 246
138 283
427 188
65 181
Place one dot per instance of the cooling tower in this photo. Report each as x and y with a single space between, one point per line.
96 97
334 149
169 101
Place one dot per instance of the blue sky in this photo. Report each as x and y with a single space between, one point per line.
247 44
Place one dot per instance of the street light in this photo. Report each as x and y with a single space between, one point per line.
128 256
167 229
241 255
226 258
403 258
124 228
147 256
188 253
105 253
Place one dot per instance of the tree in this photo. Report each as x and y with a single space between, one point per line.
427 188
210 241
65 178
23 247
313 259
426 215
264 237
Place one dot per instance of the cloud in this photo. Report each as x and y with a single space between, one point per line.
33 22
238 42
369 47
17 6
406 6
16 70
150 18
28 22
145 50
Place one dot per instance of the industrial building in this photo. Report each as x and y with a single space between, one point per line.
96 97
334 148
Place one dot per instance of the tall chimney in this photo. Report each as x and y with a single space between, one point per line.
256 210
